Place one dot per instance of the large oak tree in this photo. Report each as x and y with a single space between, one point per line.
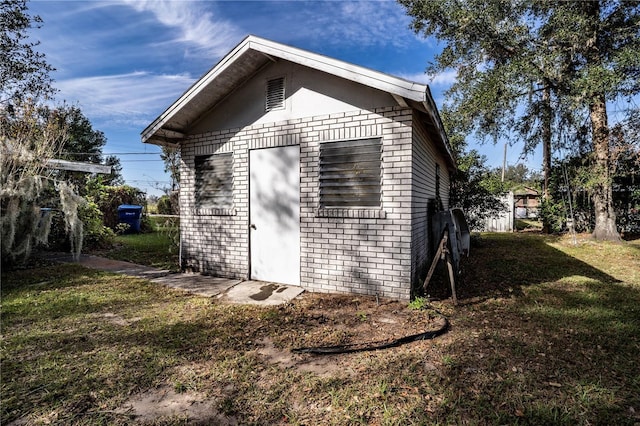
544 70
31 133
23 70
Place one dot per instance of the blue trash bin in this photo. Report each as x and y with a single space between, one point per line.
131 215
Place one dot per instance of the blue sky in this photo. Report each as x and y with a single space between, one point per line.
124 62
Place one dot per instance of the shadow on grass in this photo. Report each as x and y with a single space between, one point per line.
554 356
502 264
70 332
552 344
542 337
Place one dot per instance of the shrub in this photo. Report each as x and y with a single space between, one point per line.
152 207
168 204
418 303
108 198
553 215
96 235
164 205
122 228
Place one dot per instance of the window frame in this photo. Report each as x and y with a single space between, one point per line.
340 162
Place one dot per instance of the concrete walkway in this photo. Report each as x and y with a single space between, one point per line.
228 290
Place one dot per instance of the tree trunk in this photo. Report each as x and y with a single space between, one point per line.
605 227
546 139
546 149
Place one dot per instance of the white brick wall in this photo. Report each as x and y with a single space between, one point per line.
357 251
425 158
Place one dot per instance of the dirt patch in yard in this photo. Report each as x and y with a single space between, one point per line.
324 366
355 322
115 319
164 402
311 320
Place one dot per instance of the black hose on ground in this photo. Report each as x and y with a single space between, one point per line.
373 346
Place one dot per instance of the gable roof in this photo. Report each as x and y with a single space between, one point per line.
254 53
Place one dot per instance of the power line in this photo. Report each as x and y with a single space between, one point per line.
137 161
148 181
111 153
132 153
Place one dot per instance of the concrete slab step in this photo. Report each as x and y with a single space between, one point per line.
261 293
227 290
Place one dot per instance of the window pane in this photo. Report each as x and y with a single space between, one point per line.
214 181
350 173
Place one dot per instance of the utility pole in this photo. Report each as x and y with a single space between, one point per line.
504 161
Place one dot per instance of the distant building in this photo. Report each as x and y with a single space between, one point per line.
522 203
526 203
503 221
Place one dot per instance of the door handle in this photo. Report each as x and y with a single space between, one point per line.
253 226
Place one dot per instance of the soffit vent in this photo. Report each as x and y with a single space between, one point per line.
275 94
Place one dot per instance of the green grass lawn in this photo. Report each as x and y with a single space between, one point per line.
528 225
152 249
158 248
547 332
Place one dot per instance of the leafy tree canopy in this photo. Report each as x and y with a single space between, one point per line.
84 143
526 66
26 142
31 132
23 70
171 158
517 176
474 188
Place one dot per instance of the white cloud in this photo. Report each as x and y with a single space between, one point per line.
444 79
364 23
196 25
133 99
379 22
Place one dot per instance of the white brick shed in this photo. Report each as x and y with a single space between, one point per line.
302 169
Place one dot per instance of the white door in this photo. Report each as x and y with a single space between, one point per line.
274 196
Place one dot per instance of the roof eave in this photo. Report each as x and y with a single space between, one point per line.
430 108
385 82
405 92
195 88
395 86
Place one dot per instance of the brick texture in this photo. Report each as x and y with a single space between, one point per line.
364 251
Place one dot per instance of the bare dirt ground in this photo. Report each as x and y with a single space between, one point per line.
328 320
192 407
315 320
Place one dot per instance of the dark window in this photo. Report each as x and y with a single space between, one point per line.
275 94
350 173
214 181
